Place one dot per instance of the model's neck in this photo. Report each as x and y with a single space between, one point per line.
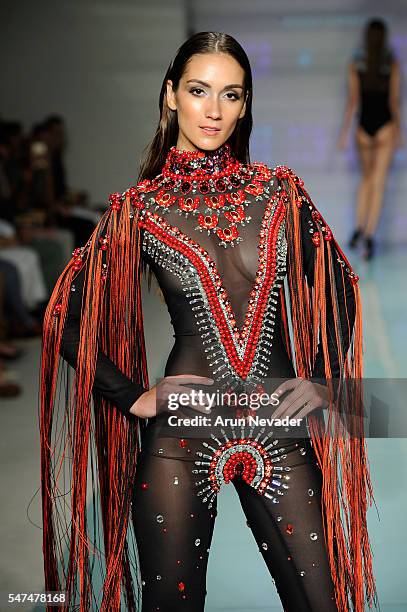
182 162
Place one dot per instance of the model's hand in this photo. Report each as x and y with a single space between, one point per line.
155 398
305 397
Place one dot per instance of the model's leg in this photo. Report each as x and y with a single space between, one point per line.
364 144
173 529
383 154
290 533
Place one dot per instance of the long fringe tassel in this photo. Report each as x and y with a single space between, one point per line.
111 308
341 453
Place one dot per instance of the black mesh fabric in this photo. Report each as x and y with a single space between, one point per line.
172 526
237 266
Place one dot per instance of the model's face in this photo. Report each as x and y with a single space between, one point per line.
209 95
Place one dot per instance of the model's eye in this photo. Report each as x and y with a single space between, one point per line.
195 89
231 95
235 95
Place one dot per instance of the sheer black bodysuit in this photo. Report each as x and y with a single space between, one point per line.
374 108
172 525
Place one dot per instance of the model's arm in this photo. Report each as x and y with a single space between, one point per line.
339 292
109 379
351 104
394 99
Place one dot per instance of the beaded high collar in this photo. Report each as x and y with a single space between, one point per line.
219 162
214 187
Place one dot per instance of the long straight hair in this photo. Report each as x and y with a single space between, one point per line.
166 134
377 54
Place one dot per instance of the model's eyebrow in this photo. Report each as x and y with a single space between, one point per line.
207 84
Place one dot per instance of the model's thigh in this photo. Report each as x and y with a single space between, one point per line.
365 148
383 152
173 531
290 535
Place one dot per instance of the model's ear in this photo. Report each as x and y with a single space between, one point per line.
171 96
243 111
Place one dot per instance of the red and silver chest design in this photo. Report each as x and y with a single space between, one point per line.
239 356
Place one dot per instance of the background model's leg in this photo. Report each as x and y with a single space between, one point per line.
383 154
364 144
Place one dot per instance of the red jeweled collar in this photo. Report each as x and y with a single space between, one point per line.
197 164
214 187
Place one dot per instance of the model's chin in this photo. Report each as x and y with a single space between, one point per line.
210 142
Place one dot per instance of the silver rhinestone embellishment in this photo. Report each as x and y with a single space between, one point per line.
313 536
160 518
197 542
264 546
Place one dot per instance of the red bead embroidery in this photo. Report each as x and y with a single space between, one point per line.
228 233
189 175
181 163
215 202
188 204
316 239
236 198
208 221
164 198
219 303
244 457
115 200
57 310
254 189
104 242
235 215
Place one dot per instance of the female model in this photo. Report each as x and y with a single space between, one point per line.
221 235
374 92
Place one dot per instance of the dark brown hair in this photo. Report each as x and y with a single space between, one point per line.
167 131
377 53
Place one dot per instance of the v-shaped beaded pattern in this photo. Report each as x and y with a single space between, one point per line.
240 345
243 354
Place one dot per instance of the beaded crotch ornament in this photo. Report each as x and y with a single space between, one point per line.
243 456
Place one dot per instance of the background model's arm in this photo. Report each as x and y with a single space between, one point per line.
352 104
394 100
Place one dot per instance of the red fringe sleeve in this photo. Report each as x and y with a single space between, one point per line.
89 457
339 439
